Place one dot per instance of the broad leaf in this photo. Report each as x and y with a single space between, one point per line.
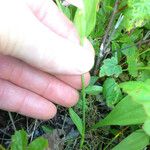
126 112
137 14
133 109
93 90
110 68
19 140
111 92
137 140
38 144
76 120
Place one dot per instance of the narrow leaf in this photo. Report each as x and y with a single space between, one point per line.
76 120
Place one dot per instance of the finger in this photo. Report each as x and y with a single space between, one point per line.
74 81
37 81
25 36
48 13
16 99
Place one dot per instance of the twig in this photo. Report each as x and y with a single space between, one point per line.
11 119
114 30
34 128
102 47
5 133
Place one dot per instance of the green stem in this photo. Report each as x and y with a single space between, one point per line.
138 68
83 110
143 68
116 136
144 52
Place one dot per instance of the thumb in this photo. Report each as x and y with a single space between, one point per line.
23 36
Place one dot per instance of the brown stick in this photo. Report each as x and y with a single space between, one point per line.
102 47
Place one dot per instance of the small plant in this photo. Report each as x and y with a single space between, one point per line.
122 40
114 110
19 141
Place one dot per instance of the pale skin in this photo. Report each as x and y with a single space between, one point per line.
41 59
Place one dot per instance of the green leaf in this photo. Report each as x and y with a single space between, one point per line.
137 140
144 75
76 120
126 112
93 80
146 127
85 18
116 50
133 109
47 129
137 14
38 144
131 54
19 140
110 67
64 9
140 92
111 92
93 90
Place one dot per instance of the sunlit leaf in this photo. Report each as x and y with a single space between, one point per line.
19 140
136 14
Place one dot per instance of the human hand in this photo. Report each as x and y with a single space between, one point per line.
41 59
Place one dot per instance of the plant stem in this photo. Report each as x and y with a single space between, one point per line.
83 111
116 136
144 68
144 52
